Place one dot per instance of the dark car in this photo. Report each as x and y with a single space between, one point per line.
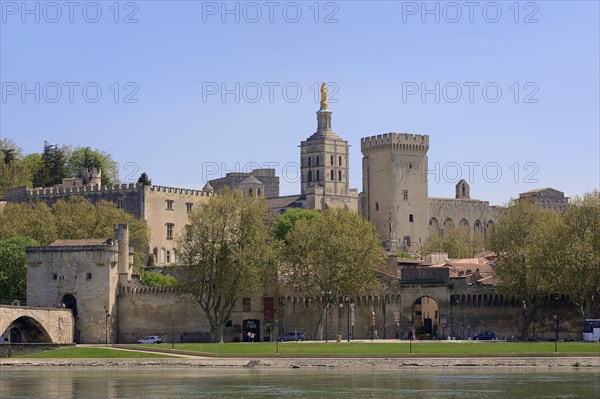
486 335
292 336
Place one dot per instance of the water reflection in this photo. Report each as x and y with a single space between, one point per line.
296 383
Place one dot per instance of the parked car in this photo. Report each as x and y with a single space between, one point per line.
151 339
292 336
486 335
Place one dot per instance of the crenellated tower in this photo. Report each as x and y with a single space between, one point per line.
395 196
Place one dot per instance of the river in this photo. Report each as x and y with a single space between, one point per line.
48 383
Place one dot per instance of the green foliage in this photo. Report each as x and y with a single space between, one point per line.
455 241
158 280
54 166
144 179
332 256
226 254
285 222
13 171
13 270
32 219
524 240
74 218
91 353
85 157
382 348
577 251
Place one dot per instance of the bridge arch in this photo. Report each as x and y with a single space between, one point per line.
27 329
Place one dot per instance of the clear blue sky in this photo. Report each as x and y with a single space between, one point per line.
168 61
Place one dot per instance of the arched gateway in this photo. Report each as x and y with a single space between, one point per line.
426 317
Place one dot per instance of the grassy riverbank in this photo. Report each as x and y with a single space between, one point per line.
91 353
381 348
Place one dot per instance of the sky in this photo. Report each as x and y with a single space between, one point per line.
188 91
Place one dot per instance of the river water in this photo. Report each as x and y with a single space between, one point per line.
297 383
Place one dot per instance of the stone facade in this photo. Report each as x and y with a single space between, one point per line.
547 198
84 276
258 182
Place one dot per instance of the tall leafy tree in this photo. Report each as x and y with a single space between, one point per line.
13 270
76 218
522 241
85 157
144 179
455 242
285 222
578 248
332 256
31 219
54 166
226 254
13 172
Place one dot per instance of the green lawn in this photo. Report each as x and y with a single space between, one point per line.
91 353
392 348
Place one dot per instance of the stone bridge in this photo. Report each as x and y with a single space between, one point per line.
21 324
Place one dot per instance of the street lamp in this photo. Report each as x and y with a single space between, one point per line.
556 297
327 294
106 325
172 332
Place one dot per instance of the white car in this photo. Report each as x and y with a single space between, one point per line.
150 339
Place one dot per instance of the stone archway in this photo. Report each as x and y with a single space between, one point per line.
27 330
426 317
70 302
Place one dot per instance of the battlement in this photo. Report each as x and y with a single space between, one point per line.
27 193
184 191
129 291
397 142
49 191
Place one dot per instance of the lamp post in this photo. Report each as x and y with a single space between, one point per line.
172 332
107 315
410 337
556 297
327 294
348 315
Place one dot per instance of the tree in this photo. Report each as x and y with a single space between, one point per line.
13 172
225 254
523 241
85 157
30 219
332 256
579 251
455 241
13 269
76 218
158 280
144 179
285 222
54 166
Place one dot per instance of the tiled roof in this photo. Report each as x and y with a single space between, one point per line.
282 202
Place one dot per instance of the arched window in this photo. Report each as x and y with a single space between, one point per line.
332 160
339 175
310 175
309 162
317 160
318 177
332 175
340 161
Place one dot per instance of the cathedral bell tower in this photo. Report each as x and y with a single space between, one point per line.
324 157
